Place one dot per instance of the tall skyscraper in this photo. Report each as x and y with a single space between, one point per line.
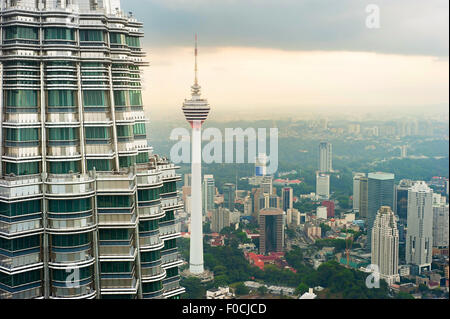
385 243
271 229
209 192
401 199
220 219
325 157
401 207
323 186
356 190
229 196
287 197
380 193
440 225
196 110
86 209
363 198
419 236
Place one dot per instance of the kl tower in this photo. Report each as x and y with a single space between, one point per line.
196 111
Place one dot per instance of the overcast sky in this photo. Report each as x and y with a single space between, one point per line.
245 41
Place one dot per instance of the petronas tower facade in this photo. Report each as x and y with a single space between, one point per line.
86 209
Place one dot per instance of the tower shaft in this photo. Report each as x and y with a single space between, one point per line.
196 250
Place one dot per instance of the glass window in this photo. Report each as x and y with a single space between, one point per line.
142 158
100 165
135 98
21 208
120 98
21 98
70 240
91 35
133 42
127 161
69 205
20 279
124 130
22 134
20 243
150 256
149 225
21 169
116 267
63 134
139 129
61 98
114 201
152 287
59 34
149 194
95 98
19 32
117 38
62 274
64 167
97 133
114 234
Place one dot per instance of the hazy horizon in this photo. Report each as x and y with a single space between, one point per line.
286 58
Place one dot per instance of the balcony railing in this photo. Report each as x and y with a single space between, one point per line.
170 229
20 261
20 227
21 186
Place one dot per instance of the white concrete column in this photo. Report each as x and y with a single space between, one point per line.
196 249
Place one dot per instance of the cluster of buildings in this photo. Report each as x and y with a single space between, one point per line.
408 214
86 210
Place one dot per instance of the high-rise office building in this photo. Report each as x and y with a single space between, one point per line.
419 236
330 208
187 180
401 199
86 210
229 196
356 190
220 219
271 229
401 207
325 157
287 197
323 186
363 198
440 225
209 192
196 111
380 193
385 245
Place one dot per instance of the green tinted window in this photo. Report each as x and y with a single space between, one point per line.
64 167
91 35
21 208
21 98
22 134
69 205
113 201
19 32
59 34
22 169
95 98
100 165
61 98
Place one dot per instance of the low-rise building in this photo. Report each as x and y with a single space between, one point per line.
220 293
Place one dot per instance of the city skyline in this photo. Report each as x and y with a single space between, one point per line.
417 67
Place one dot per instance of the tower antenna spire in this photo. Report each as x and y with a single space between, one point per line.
196 56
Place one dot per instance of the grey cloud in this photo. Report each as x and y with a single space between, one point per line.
415 27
